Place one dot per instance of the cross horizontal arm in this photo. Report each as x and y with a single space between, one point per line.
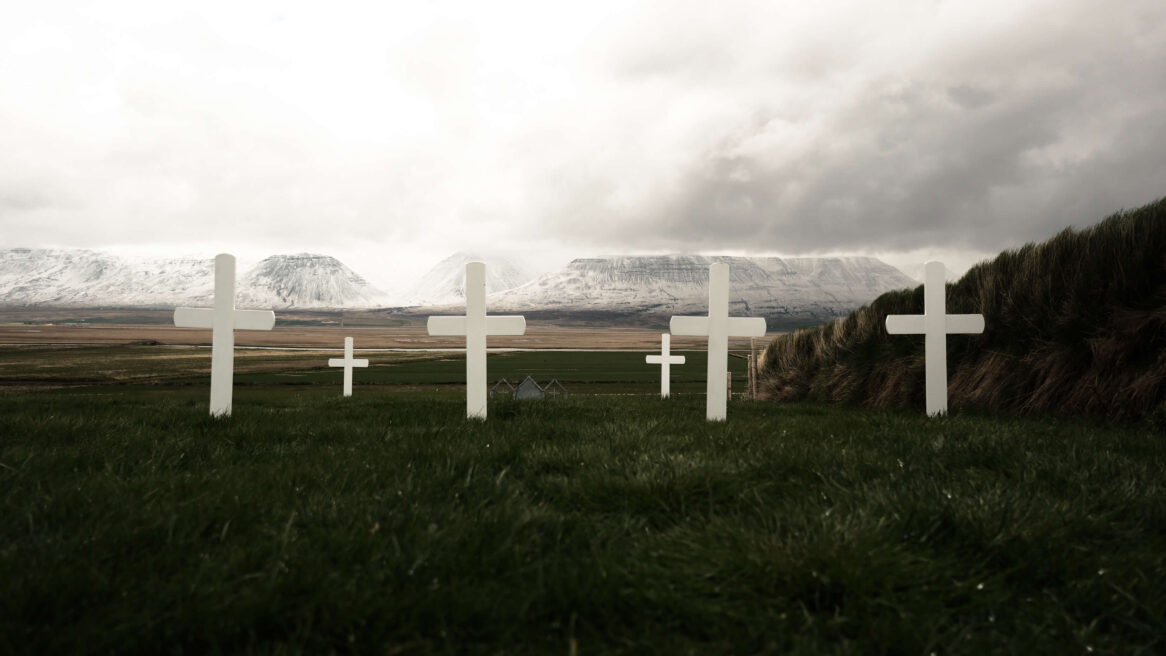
905 324
689 325
965 323
656 359
746 327
506 325
254 319
185 317
341 362
446 325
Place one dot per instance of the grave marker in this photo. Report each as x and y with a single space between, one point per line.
718 326
348 363
664 360
223 320
529 389
935 325
476 325
498 388
556 389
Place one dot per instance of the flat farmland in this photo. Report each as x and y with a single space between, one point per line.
328 337
586 361
32 367
62 349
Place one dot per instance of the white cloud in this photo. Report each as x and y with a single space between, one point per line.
417 129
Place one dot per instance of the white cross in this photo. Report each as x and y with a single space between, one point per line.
935 324
664 359
719 326
348 363
475 326
223 320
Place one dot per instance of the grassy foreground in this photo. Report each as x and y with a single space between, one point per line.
132 523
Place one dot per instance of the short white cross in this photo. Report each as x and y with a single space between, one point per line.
935 325
719 326
475 326
664 360
223 320
348 363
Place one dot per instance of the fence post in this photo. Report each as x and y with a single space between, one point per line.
753 368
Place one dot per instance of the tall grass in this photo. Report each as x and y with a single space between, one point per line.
1076 324
130 523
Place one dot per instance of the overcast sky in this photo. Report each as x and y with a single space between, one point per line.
393 134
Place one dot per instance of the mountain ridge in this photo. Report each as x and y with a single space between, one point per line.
798 290
306 280
645 288
678 284
86 278
444 284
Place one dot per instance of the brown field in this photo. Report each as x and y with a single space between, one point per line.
98 327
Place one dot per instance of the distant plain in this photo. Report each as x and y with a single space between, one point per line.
323 330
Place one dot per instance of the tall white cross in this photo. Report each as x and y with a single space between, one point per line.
475 326
664 360
223 320
935 325
348 363
719 326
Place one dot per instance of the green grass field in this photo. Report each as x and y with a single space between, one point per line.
130 522
581 372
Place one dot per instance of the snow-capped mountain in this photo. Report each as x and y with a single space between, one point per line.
446 283
798 289
792 288
305 280
90 279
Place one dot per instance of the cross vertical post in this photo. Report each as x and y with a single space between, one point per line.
476 394
718 326
223 336
935 325
223 320
665 360
476 325
348 363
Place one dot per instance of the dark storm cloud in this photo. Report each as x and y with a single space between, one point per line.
917 172
1004 139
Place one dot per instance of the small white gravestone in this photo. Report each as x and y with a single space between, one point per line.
348 363
476 326
223 320
664 360
718 326
935 325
